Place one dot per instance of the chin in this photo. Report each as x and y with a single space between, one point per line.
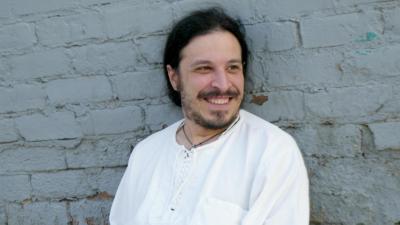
218 120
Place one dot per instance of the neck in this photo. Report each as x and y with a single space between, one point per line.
198 133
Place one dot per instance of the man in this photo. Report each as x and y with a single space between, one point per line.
219 165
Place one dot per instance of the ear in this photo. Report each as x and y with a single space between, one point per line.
173 77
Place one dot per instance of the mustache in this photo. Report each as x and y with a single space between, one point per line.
232 92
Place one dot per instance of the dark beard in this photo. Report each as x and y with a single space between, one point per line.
213 125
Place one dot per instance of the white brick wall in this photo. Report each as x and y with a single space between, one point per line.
39 64
21 97
70 29
386 135
85 89
45 213
15 188
81 83
104 58
59 125
17 36
32 159
347 102
276 36
120 21
339 29
61 184
113 121
128 86
8 133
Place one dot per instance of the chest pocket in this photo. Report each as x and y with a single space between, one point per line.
217 212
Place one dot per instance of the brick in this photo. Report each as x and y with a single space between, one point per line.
28 160
40 64
334 141
107 180
104 58
102 153
334 205
392 105
373 62
6 9
21 7
3 217
392 26
87 89
182 8
97 2
354 201
295 69
90 212
112 121
281 105
21 97
245 10
256 76
17 36
59 125
4 70
8 132
346 3
15 188
38 213
69 29
160 116
386 135
347 102
288 8
339 30
276 36
62 184
151 48
140 85
118 16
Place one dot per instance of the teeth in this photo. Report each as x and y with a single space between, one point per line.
218 101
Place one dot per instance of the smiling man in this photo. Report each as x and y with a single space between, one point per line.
219 165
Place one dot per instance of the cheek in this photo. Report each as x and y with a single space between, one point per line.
198 83
238 82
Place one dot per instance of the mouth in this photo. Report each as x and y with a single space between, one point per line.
218 100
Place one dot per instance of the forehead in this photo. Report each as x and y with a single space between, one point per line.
216 46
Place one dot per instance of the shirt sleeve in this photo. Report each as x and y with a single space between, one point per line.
280 191
122 200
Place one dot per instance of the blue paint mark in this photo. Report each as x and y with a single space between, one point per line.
369 36
363 52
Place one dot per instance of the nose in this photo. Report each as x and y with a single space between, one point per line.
221 80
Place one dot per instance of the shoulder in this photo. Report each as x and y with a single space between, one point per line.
155 143
272 141
260 127
160 136
280 149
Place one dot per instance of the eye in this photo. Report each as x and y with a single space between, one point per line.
234 68
203 69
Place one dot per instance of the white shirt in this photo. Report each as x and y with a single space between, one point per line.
253 174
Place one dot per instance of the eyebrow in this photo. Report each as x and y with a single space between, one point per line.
200 62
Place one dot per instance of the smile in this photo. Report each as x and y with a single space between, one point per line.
218 100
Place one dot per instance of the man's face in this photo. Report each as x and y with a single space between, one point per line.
210 79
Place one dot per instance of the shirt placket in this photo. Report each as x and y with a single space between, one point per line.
184 169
